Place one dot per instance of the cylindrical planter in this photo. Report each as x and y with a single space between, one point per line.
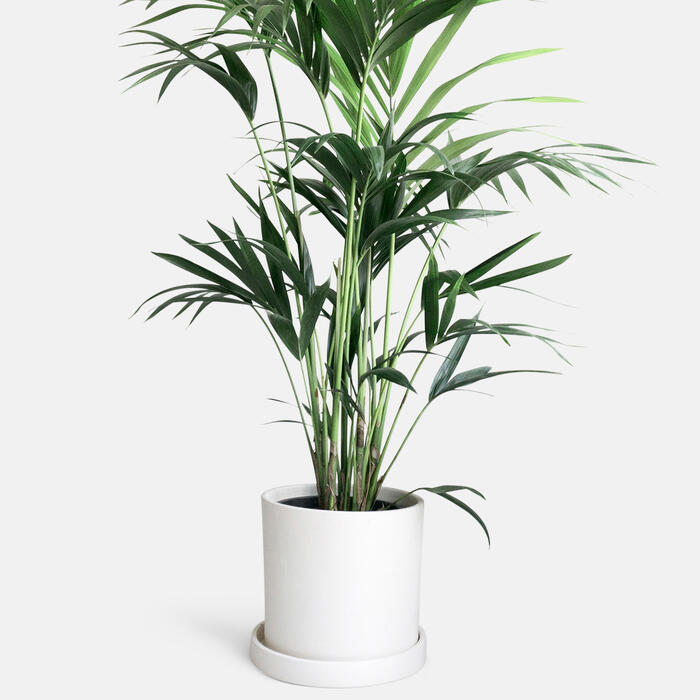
341 592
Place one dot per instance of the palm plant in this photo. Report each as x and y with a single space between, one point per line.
393 176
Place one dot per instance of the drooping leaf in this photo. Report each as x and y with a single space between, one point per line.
480 373
176 10
202 272
426 222
462 379
446 493
248 97
285 330
468 509
390 374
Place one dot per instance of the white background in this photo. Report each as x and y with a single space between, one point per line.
133 454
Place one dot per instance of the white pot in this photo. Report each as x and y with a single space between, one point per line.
341 592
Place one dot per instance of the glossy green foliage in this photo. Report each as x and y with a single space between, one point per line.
400 171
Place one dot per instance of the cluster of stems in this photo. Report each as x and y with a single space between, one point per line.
348 441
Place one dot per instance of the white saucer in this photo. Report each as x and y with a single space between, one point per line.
335 674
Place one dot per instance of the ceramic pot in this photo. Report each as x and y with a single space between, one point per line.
341 591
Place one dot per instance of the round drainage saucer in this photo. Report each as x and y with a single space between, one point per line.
335 674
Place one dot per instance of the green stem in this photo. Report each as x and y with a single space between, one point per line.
405 440
345 292
310 357
389 283
377 427
417 286
289 375
385 449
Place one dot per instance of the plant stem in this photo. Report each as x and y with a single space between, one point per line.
403 442
310 357
398 412
344 294
377 427
289 375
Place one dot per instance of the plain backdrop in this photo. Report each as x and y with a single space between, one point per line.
133 454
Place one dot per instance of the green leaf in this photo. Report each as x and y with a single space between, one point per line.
446 493
214 254
241 269
433 56
410 23
441 92
195 269
471 511
273 239
520 273
449 308
259 279
172 74
431 304
397 64
286 264
239 82
447 117
344 34
312 310
390 374
551 175
448 488
480 270
246 93
376 157
426 221
480 373
350 154
446 123
457 148
285 330
464 379
175 10
518 180
444 374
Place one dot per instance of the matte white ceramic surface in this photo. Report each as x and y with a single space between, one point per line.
336 674
341 586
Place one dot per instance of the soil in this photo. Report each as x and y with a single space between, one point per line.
312 503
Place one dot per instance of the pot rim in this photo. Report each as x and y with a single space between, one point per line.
272 497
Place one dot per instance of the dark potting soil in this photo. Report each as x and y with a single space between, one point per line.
312 503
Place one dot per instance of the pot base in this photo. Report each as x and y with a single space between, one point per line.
335 674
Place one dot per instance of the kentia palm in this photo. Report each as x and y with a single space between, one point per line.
377 186
391 177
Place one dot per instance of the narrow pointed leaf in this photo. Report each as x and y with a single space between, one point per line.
444 374
449 307
441 92
433 56
312 311
390 374
480 270
431 304
519 273
285 330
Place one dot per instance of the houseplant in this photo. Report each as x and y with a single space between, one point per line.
388 171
